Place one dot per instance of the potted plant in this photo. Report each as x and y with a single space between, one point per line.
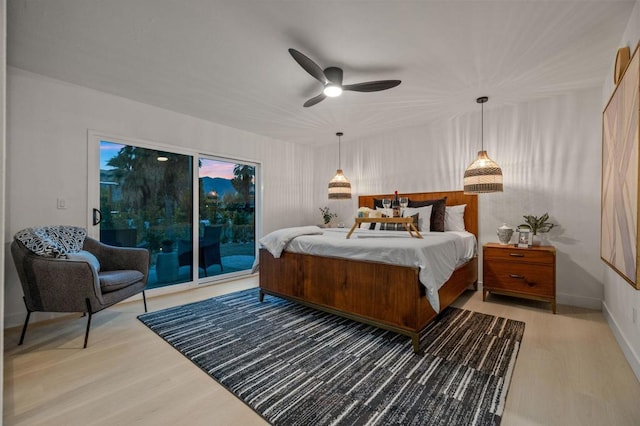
327 215
537 225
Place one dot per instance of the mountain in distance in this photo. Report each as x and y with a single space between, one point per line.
220 185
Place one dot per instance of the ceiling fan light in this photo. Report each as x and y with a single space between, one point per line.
332 90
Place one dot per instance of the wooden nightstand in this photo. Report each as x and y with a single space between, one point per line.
522 272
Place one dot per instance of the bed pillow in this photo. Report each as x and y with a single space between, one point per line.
437 212
368 225
399 226
454 218
385 212
424 221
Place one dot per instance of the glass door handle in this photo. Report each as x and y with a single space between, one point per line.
97 217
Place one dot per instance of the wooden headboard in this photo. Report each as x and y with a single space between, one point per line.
454 198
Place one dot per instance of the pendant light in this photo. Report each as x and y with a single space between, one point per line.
483 175
339 186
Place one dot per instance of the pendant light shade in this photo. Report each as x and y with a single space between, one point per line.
483 175
339 186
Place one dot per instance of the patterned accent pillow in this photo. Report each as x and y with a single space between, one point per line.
399 226
52 241
437 212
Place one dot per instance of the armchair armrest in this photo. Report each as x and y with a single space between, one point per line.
60 285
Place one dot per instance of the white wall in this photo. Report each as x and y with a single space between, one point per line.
619 297
549 151
47 128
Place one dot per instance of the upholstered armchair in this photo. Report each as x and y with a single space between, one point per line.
82 282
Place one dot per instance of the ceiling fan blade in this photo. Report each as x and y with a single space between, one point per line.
372 86
315 100
309 66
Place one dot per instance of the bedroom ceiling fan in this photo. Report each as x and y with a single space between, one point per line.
331 79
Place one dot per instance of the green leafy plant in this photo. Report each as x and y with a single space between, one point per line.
537 224
327 215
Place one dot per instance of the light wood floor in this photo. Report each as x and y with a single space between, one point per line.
570 370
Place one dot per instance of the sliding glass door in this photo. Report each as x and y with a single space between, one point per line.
198 223
227 216
146 199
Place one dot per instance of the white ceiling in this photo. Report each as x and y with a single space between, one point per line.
227 61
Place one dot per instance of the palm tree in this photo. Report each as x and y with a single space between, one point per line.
243 181
153 192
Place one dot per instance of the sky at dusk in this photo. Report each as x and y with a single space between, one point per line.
211 168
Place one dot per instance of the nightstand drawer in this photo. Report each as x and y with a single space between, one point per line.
514 254
519 277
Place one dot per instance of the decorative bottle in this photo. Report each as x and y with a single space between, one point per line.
395 205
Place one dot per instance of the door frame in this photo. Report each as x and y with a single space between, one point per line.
93 197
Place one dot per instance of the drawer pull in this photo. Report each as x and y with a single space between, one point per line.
516 254
520 277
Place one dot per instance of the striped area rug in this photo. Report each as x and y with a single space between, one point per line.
297 366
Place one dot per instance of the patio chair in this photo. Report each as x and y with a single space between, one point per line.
209 250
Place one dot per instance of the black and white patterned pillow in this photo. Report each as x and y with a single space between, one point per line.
52 241
399 226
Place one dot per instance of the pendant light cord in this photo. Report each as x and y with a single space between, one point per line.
481 100
482 125
339 135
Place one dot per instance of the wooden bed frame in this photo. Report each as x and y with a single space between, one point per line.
387 296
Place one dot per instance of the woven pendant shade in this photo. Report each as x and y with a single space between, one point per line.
339 186
483 175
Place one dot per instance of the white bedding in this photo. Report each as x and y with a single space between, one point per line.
276 241
436 255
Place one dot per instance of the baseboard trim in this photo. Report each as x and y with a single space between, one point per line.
14 320
17 319
580 301
632 357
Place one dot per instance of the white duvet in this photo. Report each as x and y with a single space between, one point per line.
436 255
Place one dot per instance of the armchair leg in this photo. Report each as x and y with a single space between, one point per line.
144 299
86 334
26 321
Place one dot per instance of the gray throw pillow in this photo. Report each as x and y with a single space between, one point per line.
85 256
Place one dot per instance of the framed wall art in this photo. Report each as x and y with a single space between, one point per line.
620 157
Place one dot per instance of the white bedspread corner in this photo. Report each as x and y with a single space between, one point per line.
276 241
